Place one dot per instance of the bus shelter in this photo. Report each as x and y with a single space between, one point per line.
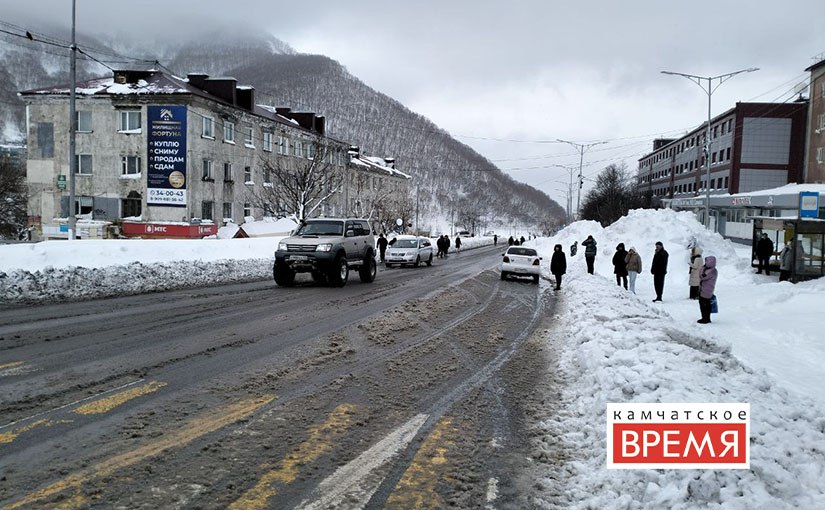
805 240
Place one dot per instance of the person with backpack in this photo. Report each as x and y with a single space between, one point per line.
589 252
558 264
707 286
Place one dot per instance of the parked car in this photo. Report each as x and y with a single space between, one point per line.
409 250
521 261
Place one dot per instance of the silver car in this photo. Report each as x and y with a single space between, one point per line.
409 251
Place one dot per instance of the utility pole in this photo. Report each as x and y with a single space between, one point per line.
570 170
417 231
582 148
707 149
72 129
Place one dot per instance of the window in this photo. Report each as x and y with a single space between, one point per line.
283 145
130 165
131 205
45 139
208 128
248 140
247 174
268 142
310 151
297 149
227 210
129 121
713 158
820 154
267 176
206 173
228 132
726 183
727 154
724 125
247 209
206 210
227 172
822 86
83 121
822 121
83 164
84 206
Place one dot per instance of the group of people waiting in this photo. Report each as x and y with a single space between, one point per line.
443 244
627 264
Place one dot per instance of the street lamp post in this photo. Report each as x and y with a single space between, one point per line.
569 192
709 91
72 130
582 148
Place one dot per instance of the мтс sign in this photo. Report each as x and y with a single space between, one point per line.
678 436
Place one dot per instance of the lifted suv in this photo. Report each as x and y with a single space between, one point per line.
327 248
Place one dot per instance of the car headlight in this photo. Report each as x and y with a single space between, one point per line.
282 247
324 247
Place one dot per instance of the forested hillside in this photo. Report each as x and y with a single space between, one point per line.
451 180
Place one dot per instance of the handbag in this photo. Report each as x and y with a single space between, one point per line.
714 305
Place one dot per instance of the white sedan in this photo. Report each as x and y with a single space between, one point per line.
521 261
409 250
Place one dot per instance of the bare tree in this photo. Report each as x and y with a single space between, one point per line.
12 198
299 186
398 205
369 194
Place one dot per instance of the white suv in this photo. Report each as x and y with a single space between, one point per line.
409 250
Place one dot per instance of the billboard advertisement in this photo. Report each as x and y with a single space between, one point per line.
166 146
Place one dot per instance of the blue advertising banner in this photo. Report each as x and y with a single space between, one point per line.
808 204
166 145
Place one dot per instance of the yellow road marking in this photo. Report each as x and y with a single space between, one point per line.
105 405
13 364
8 437
193 430
416 488
320 441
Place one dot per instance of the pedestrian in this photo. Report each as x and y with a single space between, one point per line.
764 252
511 241
634 267
589 252
620 265
382 246
495 239
458 244
574 248
659 269
558 264
785 262
706 288
522 239
446 245
695 271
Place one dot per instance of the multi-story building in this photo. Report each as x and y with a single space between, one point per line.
815 145
754 146
165 156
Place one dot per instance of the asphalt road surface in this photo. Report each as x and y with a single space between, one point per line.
418 390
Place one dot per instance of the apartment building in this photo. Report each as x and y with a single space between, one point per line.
815 145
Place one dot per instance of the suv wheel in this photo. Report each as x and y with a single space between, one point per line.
339 272
284 276
368 270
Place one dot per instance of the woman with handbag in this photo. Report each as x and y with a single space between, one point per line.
707 285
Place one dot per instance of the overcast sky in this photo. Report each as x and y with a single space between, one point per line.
522 72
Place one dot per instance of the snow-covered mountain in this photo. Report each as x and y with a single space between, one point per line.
451 179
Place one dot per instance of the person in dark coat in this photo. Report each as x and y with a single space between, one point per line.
764 252
446 245
574 248
382 246
522 239
495 239
659 269
589 252
706 288
511 241
558 264
620 265
458 244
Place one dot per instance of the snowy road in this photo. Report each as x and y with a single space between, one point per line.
389 395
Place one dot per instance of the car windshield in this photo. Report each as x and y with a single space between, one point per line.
530 252
405 243
321 228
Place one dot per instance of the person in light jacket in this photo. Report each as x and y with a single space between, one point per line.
707 285
558 264
634 267
785 262
695 270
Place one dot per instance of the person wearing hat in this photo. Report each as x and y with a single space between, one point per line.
634 267
764 252
659 269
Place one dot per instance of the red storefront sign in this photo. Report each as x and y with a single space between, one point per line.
163 231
